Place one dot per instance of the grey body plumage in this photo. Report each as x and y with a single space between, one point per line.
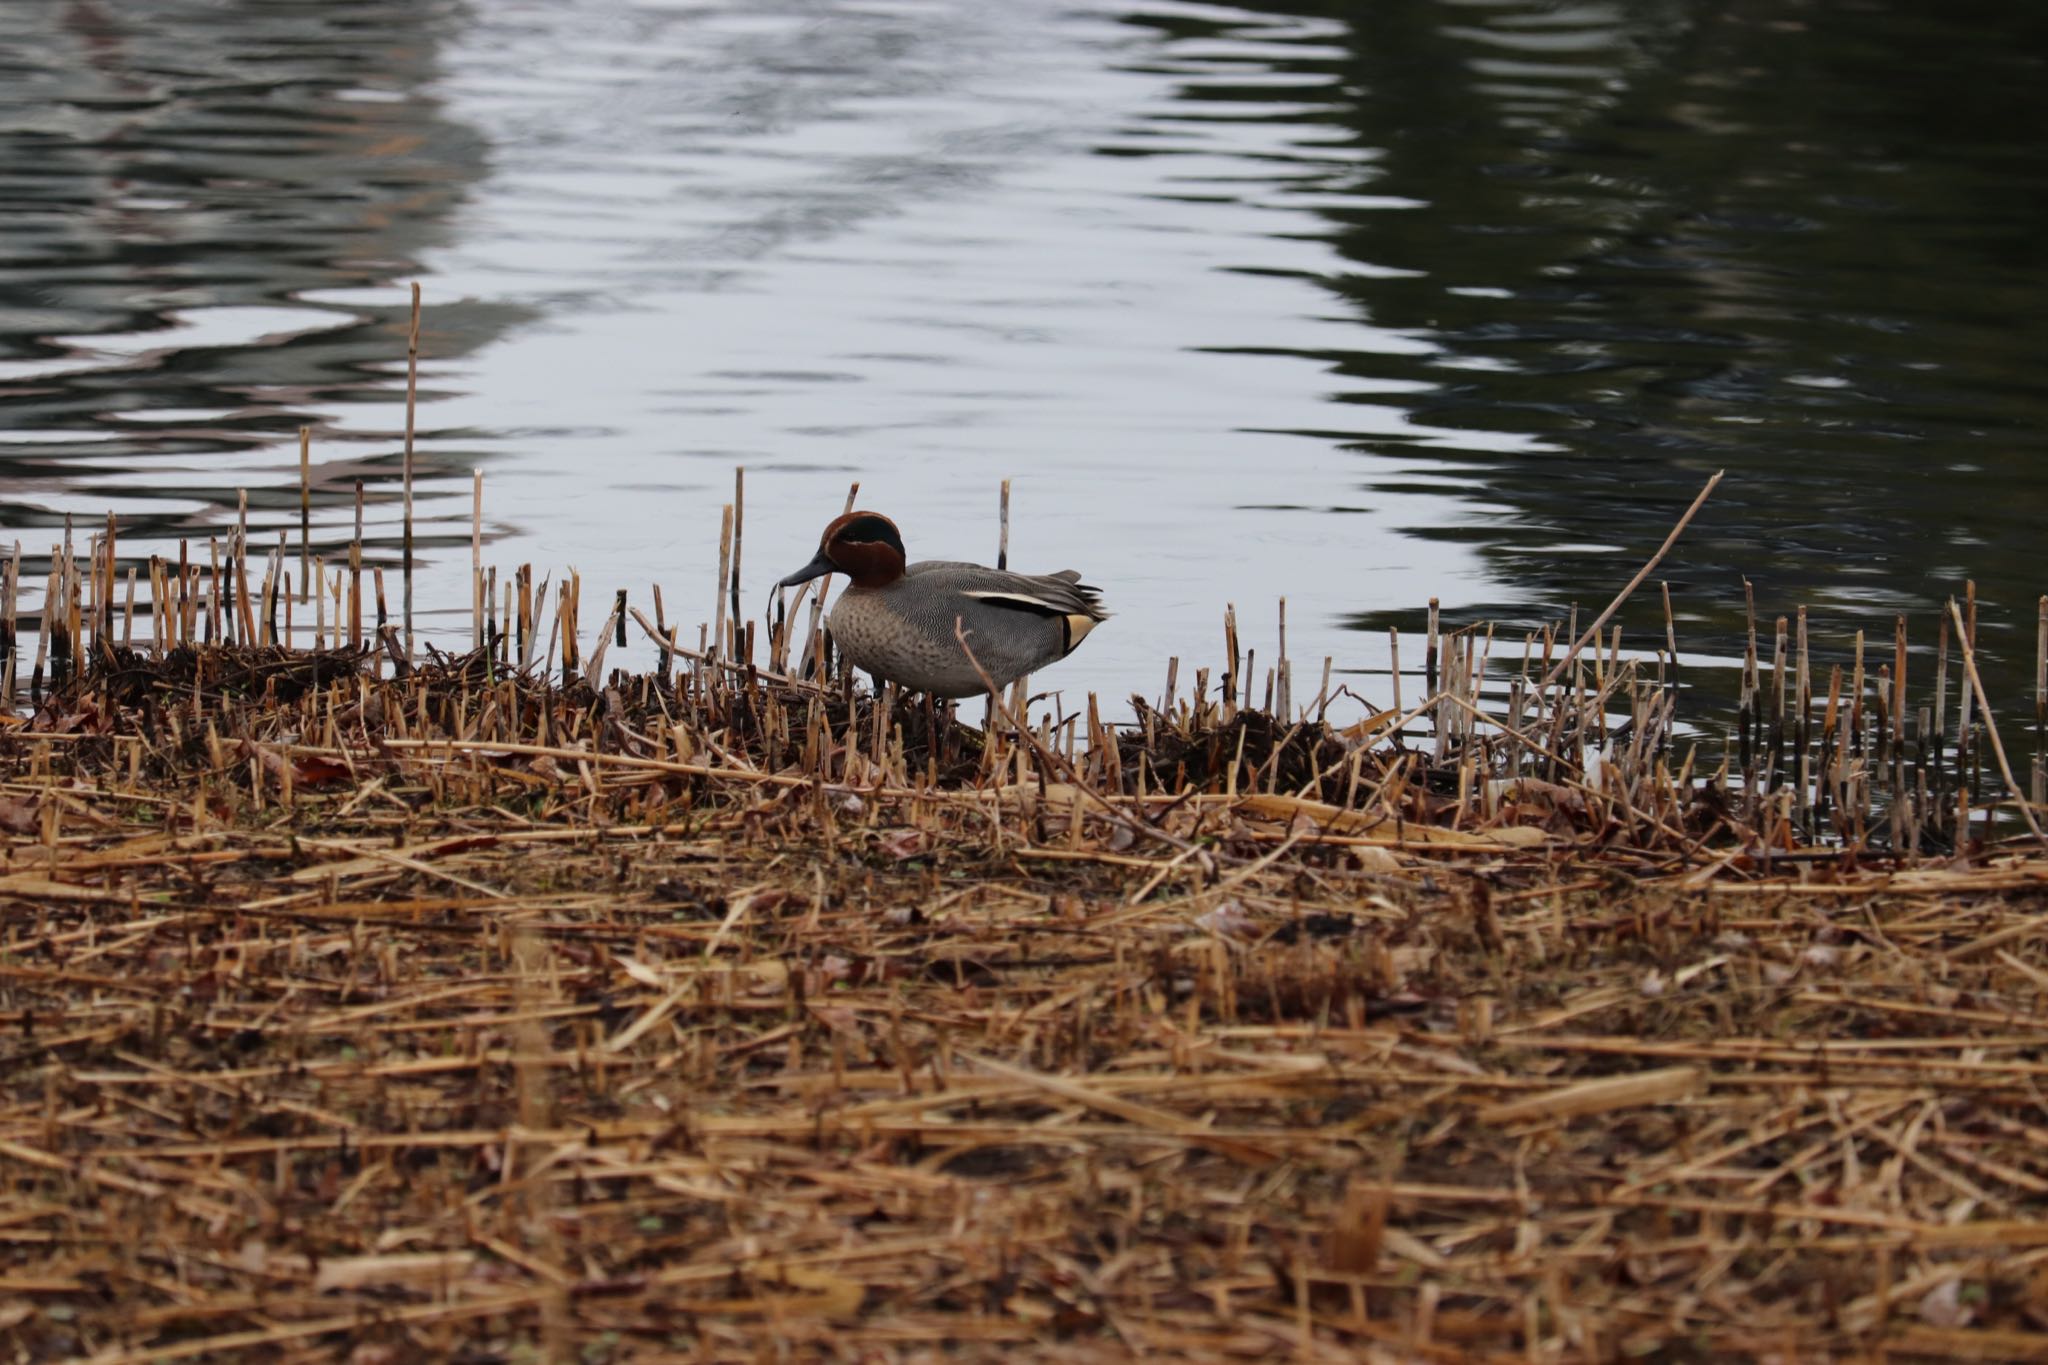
902 623
1014 623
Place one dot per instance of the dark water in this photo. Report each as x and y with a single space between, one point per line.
1355 304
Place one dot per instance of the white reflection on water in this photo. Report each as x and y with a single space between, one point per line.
928 247
913 267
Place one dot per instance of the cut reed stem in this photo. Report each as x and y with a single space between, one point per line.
412 392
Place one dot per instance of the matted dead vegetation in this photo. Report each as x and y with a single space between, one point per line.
715 1015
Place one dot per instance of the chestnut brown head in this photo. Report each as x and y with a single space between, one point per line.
865 546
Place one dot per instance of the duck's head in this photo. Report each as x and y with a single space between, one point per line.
865 546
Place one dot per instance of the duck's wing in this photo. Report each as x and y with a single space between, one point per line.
1053 594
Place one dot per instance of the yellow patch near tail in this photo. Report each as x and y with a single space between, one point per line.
1078 627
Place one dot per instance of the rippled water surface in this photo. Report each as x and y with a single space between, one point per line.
1355 304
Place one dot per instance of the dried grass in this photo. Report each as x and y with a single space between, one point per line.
465 1016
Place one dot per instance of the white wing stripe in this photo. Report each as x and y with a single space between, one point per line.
1021 599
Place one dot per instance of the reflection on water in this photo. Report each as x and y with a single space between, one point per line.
1798 242
1352 303
179 183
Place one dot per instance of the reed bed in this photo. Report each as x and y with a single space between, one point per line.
365 1004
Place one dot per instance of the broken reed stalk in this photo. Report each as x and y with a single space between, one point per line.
664 643
593 672
718 587
305 511
1593 631
1670 631
245 613
1966 634
2040 664
1432 642
1283 707
355 576
238 546
2012 786
1394 665
2040 791
10 633
479 603
1003 535
568 616
1230 655
412 389
739 515
111 548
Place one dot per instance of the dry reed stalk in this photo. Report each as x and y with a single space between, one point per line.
1394 665
2040 659
111 548
238 550
1966 637
664 642
262 632
1284 707
1976 687
243 614
593 675
565 625
1231 665
1670 630
10 623
163 607
480 604
1597 1096
355 576
412 385
1432 645
51 625
1897 737
188 583
1940 728
718 586
383 619
92 595
531 604
2040 789
305 511
1003 534
1593 631
74 611
739 515
216 627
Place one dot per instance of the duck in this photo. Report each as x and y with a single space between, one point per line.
897 620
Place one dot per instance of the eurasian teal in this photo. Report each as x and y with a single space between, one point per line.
897 620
